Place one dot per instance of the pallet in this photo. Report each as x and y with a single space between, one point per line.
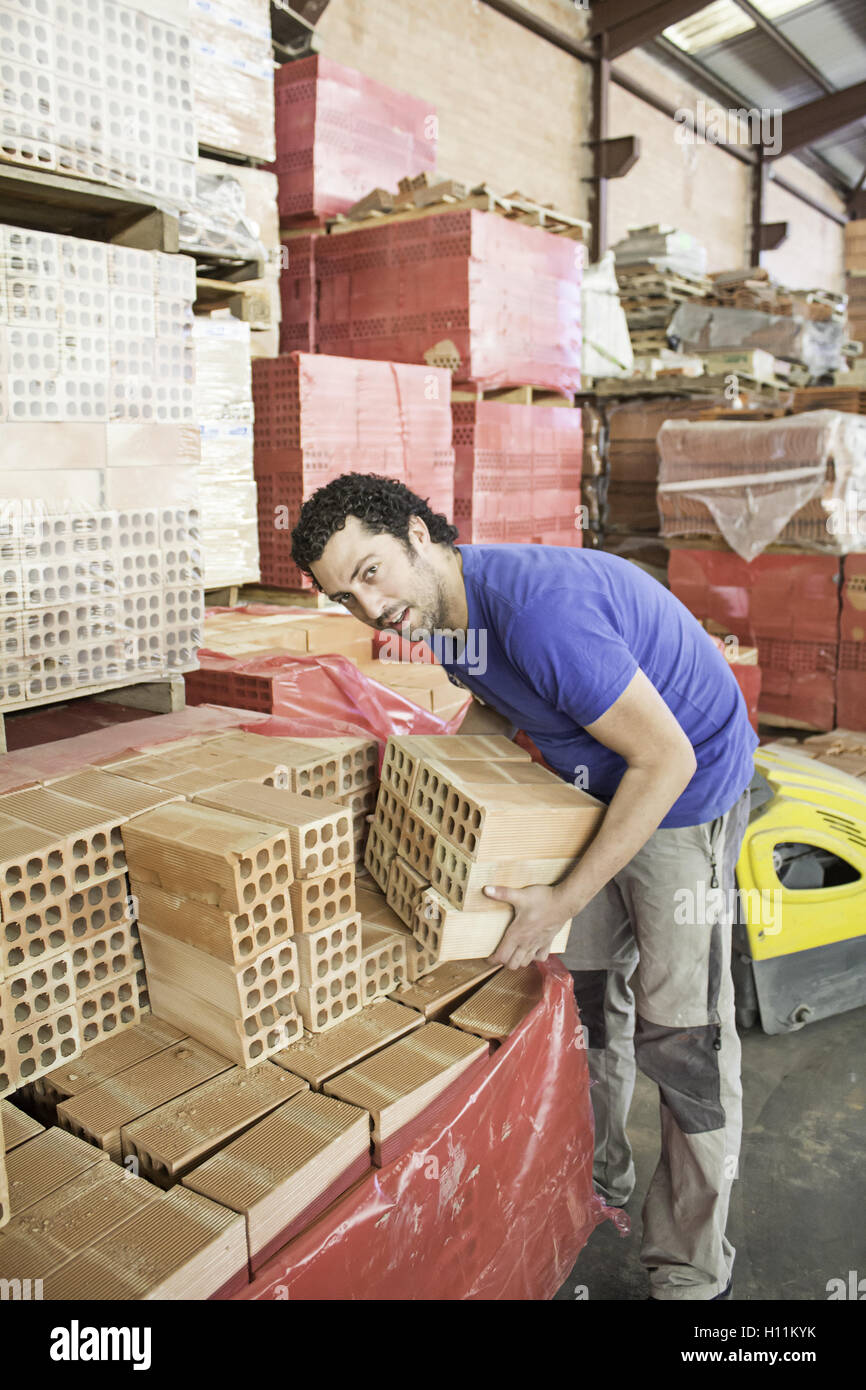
512 395
164 696
690 386
68 206
514 207
225 294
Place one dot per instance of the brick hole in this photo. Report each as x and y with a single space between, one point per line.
321 1018
337 960
253 999
249 893
245 868
337 1009
245 945
321 995
471 842
352 1001
281 873
287 981
263 936
321 947
79 849
249 977
270 989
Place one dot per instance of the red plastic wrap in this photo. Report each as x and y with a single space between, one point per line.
517 472
319 416
316 696
495 301
341 134
787 606
494 1200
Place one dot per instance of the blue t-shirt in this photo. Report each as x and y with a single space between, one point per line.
562 632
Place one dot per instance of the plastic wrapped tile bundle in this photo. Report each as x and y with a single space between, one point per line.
233 76
517 472
318 416
298 294
495 301
236 215
102 91
607 349
796 481
224 406
700 328
93 332
787 605
339 134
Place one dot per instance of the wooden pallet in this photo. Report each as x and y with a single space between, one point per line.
164 696
69 206
244 303
691 386
514 207
512 395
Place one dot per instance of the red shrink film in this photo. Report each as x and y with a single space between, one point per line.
341 134
492 1201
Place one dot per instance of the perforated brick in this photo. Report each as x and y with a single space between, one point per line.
32 869
389 815
329 953
234 938
524 821
319 831
99 907
210 856
105 957
324 1005
430 791
405 886
362 801
461 880
383 961
399 766
34 1050
379 852
28 995
245 1038
91 833
115 1004
235 989
417 844
317 902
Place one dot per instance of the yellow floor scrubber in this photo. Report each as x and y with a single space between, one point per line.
799 939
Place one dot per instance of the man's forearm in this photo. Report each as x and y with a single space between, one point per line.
641 801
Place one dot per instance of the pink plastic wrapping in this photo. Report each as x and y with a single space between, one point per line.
341 134
319 416
494 1200
316 696
494 300
517 472
799 480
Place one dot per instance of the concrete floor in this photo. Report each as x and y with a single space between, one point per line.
796 1216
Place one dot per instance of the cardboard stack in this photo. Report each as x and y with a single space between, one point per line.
233 76
495 301
319 416
101 92
517 472
339 134
224 409
455 814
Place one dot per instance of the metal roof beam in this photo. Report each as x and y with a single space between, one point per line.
783 43
805 124
626 29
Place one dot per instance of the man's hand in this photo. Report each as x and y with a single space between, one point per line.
538 916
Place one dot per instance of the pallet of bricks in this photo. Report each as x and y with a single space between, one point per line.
296 1018
855 279
766 521
99 529
250 661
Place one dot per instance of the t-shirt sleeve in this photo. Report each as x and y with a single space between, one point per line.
572 652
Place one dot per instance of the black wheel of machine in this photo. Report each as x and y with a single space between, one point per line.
746 1010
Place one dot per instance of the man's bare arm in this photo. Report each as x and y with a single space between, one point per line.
660 764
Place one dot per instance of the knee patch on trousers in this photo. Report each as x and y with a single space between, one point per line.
684 1064
589 992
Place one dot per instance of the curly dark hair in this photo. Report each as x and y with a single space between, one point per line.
382 504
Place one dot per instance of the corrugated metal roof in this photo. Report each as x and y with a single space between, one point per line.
831 34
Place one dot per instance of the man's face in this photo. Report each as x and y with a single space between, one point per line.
380 581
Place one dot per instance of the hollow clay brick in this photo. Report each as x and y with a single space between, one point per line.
318 1057
319 831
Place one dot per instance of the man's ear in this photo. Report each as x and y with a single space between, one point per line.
418 532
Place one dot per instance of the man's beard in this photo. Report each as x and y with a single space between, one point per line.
431 604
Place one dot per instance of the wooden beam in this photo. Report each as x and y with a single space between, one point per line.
759 183
600 109
806 124
630 25
773 234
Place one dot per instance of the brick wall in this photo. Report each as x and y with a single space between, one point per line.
516 111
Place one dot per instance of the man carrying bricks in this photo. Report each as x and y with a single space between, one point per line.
627 697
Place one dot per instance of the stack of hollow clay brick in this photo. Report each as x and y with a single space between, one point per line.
70 959
455 814
246 895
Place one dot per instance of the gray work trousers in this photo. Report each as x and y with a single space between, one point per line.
650 957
